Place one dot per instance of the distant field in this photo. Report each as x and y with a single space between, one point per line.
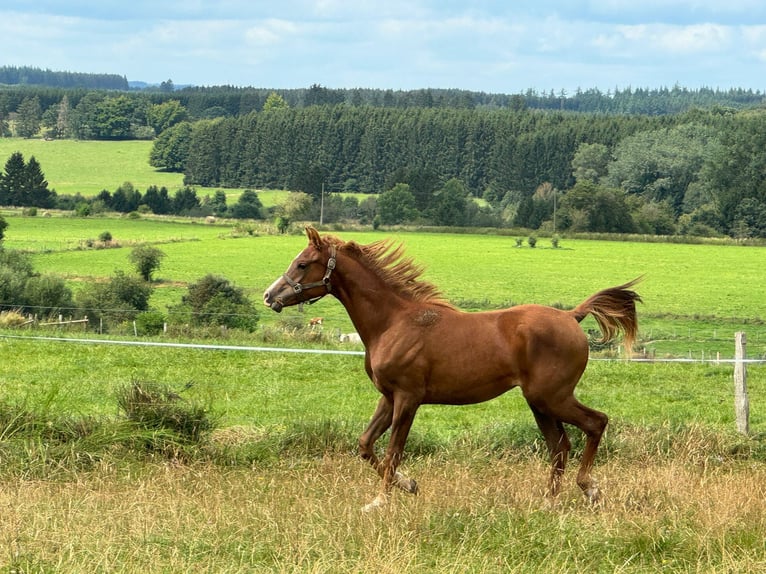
87 167
476 271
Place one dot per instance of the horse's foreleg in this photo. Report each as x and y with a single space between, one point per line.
379 424
403 415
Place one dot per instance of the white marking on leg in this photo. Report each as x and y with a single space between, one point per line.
380 501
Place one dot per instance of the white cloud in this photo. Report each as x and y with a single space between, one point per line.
488 45
697 38
271 32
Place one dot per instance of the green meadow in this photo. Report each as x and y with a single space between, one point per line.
88 167
276 486
695 296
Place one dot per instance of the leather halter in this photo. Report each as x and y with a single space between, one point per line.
299 288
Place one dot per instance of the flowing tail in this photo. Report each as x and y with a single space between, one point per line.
614 310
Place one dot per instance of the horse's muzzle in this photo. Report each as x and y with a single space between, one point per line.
274 304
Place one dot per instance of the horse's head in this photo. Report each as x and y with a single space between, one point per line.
307 278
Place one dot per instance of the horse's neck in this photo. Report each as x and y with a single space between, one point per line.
371 303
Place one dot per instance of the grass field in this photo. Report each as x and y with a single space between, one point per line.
695 296
277 485
87 167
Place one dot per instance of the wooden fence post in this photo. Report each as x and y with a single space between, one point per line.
741 400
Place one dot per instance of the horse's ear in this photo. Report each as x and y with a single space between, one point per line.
313 236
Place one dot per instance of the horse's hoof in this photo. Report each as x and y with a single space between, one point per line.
406 484
593 494
380 501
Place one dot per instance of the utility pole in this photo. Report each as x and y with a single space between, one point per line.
321 206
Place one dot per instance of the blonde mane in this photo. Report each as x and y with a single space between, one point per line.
385 258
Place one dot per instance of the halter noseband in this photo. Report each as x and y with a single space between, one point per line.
299 288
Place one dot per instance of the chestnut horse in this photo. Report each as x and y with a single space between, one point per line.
419 349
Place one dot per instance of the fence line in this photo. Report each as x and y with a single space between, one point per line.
135 343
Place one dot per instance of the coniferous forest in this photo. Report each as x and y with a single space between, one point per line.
654 161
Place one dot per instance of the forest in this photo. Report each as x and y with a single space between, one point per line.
25 75
664 161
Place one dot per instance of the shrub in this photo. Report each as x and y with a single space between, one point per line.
22 288
146 259
532 240
47 295
82 209
213 300
247 207
120 299
282 223
16 261
150 323
12 284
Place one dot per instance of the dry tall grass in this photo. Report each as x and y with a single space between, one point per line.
479 514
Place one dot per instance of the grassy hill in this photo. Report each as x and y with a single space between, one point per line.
87 167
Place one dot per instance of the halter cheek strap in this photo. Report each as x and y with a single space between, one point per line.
299 288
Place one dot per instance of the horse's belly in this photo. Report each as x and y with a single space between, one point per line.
465 391
477 368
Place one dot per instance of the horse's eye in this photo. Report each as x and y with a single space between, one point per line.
301 265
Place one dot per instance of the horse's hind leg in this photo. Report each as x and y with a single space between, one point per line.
592 423
558 446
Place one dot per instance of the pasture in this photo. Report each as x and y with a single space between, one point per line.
277 486
88 166
695 296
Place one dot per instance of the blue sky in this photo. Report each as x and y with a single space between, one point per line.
501 46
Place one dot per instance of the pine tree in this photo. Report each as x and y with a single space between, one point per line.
29 117
62 119
12 181
35 192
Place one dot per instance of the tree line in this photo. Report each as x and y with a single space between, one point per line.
26 75
83 112
694 173
465 159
